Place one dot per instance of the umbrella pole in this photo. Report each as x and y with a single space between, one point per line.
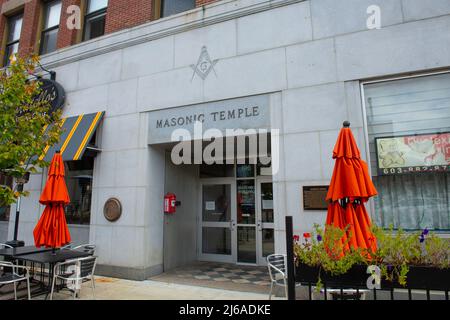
290 258
20 183
16 222
17 243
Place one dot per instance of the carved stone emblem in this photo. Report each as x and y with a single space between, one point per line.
204 65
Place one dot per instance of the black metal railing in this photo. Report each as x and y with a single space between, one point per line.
341 292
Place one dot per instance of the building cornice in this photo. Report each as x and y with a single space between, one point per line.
10 6
214 13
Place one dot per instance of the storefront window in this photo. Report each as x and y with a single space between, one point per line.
4 210
79 184
408 123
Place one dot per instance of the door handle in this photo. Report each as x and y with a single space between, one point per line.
232 225
259 225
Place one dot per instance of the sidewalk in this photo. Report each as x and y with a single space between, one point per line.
119 289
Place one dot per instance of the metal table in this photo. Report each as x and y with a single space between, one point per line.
12 252
9 254
50 258
47 257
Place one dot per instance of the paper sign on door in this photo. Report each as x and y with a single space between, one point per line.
267 204
210 205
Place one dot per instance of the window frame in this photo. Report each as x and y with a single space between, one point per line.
13 42
90 15
92 142
47 30
161 9
70 218
362 83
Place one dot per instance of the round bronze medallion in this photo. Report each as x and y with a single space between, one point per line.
112 209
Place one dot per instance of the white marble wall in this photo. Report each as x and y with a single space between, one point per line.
313 53
180 229
4 225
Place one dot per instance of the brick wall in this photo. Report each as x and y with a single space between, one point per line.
30 27
124 14
66 36
121 14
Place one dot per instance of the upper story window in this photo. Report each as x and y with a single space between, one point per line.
170 7
52 16
12 41
94 21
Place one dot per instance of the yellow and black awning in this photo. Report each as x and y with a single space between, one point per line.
77 132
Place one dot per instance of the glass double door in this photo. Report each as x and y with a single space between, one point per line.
236 221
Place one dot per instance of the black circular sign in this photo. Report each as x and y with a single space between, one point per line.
52 92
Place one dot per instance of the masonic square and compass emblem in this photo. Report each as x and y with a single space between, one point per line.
204 65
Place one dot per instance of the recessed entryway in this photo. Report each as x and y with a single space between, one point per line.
226 211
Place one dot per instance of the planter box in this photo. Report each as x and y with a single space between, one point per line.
422 277
355 277
418 277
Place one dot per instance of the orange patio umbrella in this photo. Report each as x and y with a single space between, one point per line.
51 230
350 188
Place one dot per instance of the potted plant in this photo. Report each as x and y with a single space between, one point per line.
413 260
419 260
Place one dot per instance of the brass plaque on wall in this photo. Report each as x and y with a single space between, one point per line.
314 197
112 210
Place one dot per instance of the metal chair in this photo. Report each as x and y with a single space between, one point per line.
278 272
75 271
14 277
89 248
5 246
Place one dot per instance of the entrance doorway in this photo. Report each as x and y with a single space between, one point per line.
236 215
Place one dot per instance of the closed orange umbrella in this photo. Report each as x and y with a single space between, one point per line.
350 188
51 230
335 217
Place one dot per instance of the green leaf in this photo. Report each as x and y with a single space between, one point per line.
22 121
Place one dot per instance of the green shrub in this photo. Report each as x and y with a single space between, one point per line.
396 252
323 251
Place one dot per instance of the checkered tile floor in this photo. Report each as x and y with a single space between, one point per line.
220 272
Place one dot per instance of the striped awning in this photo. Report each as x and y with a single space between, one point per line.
77 132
